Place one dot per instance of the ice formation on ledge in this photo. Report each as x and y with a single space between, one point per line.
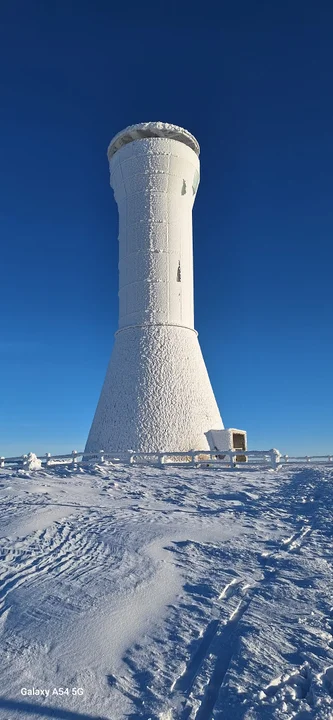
157 394
150 130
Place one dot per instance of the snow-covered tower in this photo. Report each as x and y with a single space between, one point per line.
157 394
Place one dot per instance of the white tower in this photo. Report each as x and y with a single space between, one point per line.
157 394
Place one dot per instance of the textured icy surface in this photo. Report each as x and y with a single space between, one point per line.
152 129
156 395
166 594
154 182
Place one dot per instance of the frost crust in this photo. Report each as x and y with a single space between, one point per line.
157 395
150 130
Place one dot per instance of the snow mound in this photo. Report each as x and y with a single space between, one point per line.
31 462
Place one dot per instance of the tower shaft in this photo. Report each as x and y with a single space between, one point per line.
154 182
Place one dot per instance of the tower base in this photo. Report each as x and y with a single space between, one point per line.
157 395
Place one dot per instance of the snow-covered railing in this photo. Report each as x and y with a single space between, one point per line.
297 460
244 459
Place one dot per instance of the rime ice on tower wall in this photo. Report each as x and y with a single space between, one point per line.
157 394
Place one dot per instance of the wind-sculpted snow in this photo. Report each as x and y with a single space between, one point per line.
166 594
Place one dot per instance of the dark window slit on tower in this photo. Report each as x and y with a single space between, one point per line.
179 274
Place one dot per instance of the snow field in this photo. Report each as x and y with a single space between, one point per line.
166 594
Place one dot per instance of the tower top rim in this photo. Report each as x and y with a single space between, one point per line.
152 130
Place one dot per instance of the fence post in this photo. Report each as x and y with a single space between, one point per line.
231 456
74 455
161 460
47 455
275 458
2 461
192 458
130 456
101 456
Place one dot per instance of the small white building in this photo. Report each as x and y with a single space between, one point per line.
227 439
157 395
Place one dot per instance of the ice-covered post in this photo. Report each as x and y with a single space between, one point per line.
74 457
2 461
47 461
161 460
31 462
275 458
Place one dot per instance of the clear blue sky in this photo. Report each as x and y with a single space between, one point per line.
255 87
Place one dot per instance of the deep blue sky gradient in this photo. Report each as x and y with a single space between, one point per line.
254 85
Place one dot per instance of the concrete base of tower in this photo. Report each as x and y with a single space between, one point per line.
157 396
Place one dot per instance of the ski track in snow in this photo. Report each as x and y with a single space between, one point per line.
225 637
167 595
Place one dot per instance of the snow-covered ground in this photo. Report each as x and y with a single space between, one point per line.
166 594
